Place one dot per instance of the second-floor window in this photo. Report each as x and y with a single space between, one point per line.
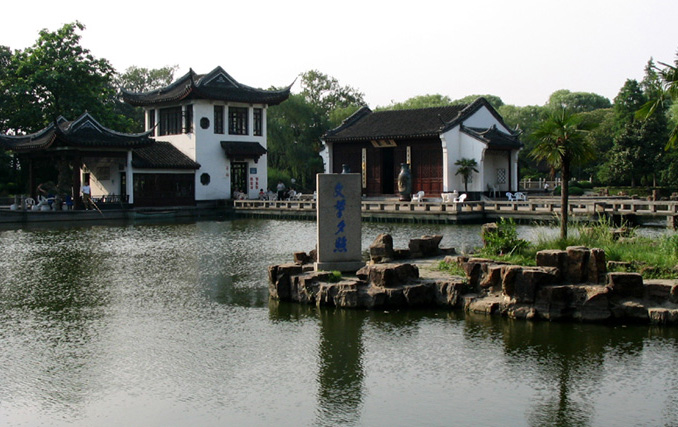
258 122
188 119
170 121
237 120
218 119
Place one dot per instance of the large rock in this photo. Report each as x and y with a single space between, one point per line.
426 246
626 285
577 264
491 280
522 283
597 267
449 292
388 275
593 304
553 258
658 290
663 316
555 302
381 250
279 278
420 294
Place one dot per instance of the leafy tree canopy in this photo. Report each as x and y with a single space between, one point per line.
325 92
296 125
421 101
577 101
662 93
494 100
138 79
57 76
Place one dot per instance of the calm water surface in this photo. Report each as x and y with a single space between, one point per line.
157 325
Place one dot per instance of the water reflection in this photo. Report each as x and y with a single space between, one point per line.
340 370
160 324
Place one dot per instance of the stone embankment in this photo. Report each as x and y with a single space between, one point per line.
570 285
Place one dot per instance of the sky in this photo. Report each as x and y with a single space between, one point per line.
519 50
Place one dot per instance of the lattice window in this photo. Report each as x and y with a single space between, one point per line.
501 176
218 119
237 120
257 114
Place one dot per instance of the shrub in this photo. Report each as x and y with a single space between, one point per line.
504 239
574 190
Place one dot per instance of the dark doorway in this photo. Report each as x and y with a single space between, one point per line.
238 177
387 171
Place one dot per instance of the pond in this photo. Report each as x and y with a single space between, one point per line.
170 324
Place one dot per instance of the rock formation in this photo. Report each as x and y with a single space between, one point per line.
570 285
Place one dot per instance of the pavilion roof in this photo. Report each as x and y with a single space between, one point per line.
215 85
83 133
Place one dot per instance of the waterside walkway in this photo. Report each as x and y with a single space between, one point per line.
635 211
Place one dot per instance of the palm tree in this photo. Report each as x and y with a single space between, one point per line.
562 145
466 168
668 93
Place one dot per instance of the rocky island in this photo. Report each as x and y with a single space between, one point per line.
565 285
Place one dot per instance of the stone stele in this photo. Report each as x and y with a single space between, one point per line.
339 226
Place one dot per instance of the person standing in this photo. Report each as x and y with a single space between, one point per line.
281 190
87 195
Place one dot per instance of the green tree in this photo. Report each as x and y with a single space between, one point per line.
296 125
466 168
526 119
562 144
577 101
137 79
664 93
636 155
5 86
326 93
294 131
421 101
58 77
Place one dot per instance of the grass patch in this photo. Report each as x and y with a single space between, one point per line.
653 258
452 267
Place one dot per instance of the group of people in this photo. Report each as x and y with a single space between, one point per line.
281 193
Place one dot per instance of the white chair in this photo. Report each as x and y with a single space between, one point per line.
521 196
460 199
446 197
510 197
297 196
419 197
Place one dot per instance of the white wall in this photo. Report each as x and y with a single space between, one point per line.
458 145
104 174
204 147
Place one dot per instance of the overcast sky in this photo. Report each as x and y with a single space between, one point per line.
519 50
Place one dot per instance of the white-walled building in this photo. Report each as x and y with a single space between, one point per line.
431 141
218 123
